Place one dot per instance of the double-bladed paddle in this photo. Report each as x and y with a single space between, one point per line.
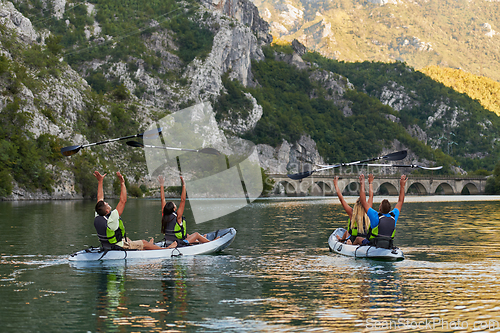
396 156
71 150
203 150
403 166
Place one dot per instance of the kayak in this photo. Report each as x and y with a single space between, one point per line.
362 251
216 245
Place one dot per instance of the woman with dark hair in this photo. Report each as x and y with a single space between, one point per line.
173 225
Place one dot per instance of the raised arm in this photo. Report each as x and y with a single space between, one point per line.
180 210
123 194
347 208
362 194
100 180
370 189
162 192
402 183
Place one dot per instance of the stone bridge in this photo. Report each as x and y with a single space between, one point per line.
383 184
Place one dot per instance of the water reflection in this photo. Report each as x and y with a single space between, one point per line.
111 303
278 274
174 290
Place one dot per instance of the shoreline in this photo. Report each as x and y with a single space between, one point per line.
408 198
326 199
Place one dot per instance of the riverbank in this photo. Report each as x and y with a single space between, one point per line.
393 199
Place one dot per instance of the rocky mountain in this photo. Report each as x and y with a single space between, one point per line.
76 73
455 34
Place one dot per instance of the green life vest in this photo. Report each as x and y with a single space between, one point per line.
105 234
174 231
354 230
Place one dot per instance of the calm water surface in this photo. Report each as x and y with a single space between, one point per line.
277 276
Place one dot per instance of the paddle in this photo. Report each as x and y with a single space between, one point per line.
71 150
403 166
399 155
203 150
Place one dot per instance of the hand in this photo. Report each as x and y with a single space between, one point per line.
99 176
120 177
361 179
402 181
370 178
336 181
161 180
182 181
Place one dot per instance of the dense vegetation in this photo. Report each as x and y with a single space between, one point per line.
289 112
23 157
493 182
293 103
469 134
126 25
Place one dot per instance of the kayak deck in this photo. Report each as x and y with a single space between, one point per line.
217 245
365 251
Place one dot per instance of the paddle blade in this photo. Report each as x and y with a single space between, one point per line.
429 168
135 144
300 175
71 150
399 155
212 151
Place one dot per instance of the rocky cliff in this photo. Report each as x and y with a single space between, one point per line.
61 103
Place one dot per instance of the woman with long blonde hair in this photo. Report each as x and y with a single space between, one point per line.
358 223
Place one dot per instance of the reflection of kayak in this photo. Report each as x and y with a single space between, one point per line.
365 251
217 245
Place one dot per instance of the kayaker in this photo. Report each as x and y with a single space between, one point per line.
383 222
173 224
356 231
109 225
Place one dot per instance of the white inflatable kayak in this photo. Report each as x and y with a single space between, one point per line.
217 245
365 251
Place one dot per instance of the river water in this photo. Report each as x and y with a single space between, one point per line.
277 276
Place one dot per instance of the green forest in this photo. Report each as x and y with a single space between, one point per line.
292 102
289 112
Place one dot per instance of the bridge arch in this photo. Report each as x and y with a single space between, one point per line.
444 188
351 189
285 188
470 188
417 188
322 188
387 188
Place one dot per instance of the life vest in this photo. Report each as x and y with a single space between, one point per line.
354 230
383 234
174 231
108 237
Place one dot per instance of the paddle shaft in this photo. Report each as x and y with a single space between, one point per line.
403 166
399 155
111 140
171 148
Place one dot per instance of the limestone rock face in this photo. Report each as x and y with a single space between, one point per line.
242 125
289 158
396 97
235 45
13 19
336 86
245 12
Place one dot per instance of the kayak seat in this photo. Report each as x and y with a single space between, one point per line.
384 242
